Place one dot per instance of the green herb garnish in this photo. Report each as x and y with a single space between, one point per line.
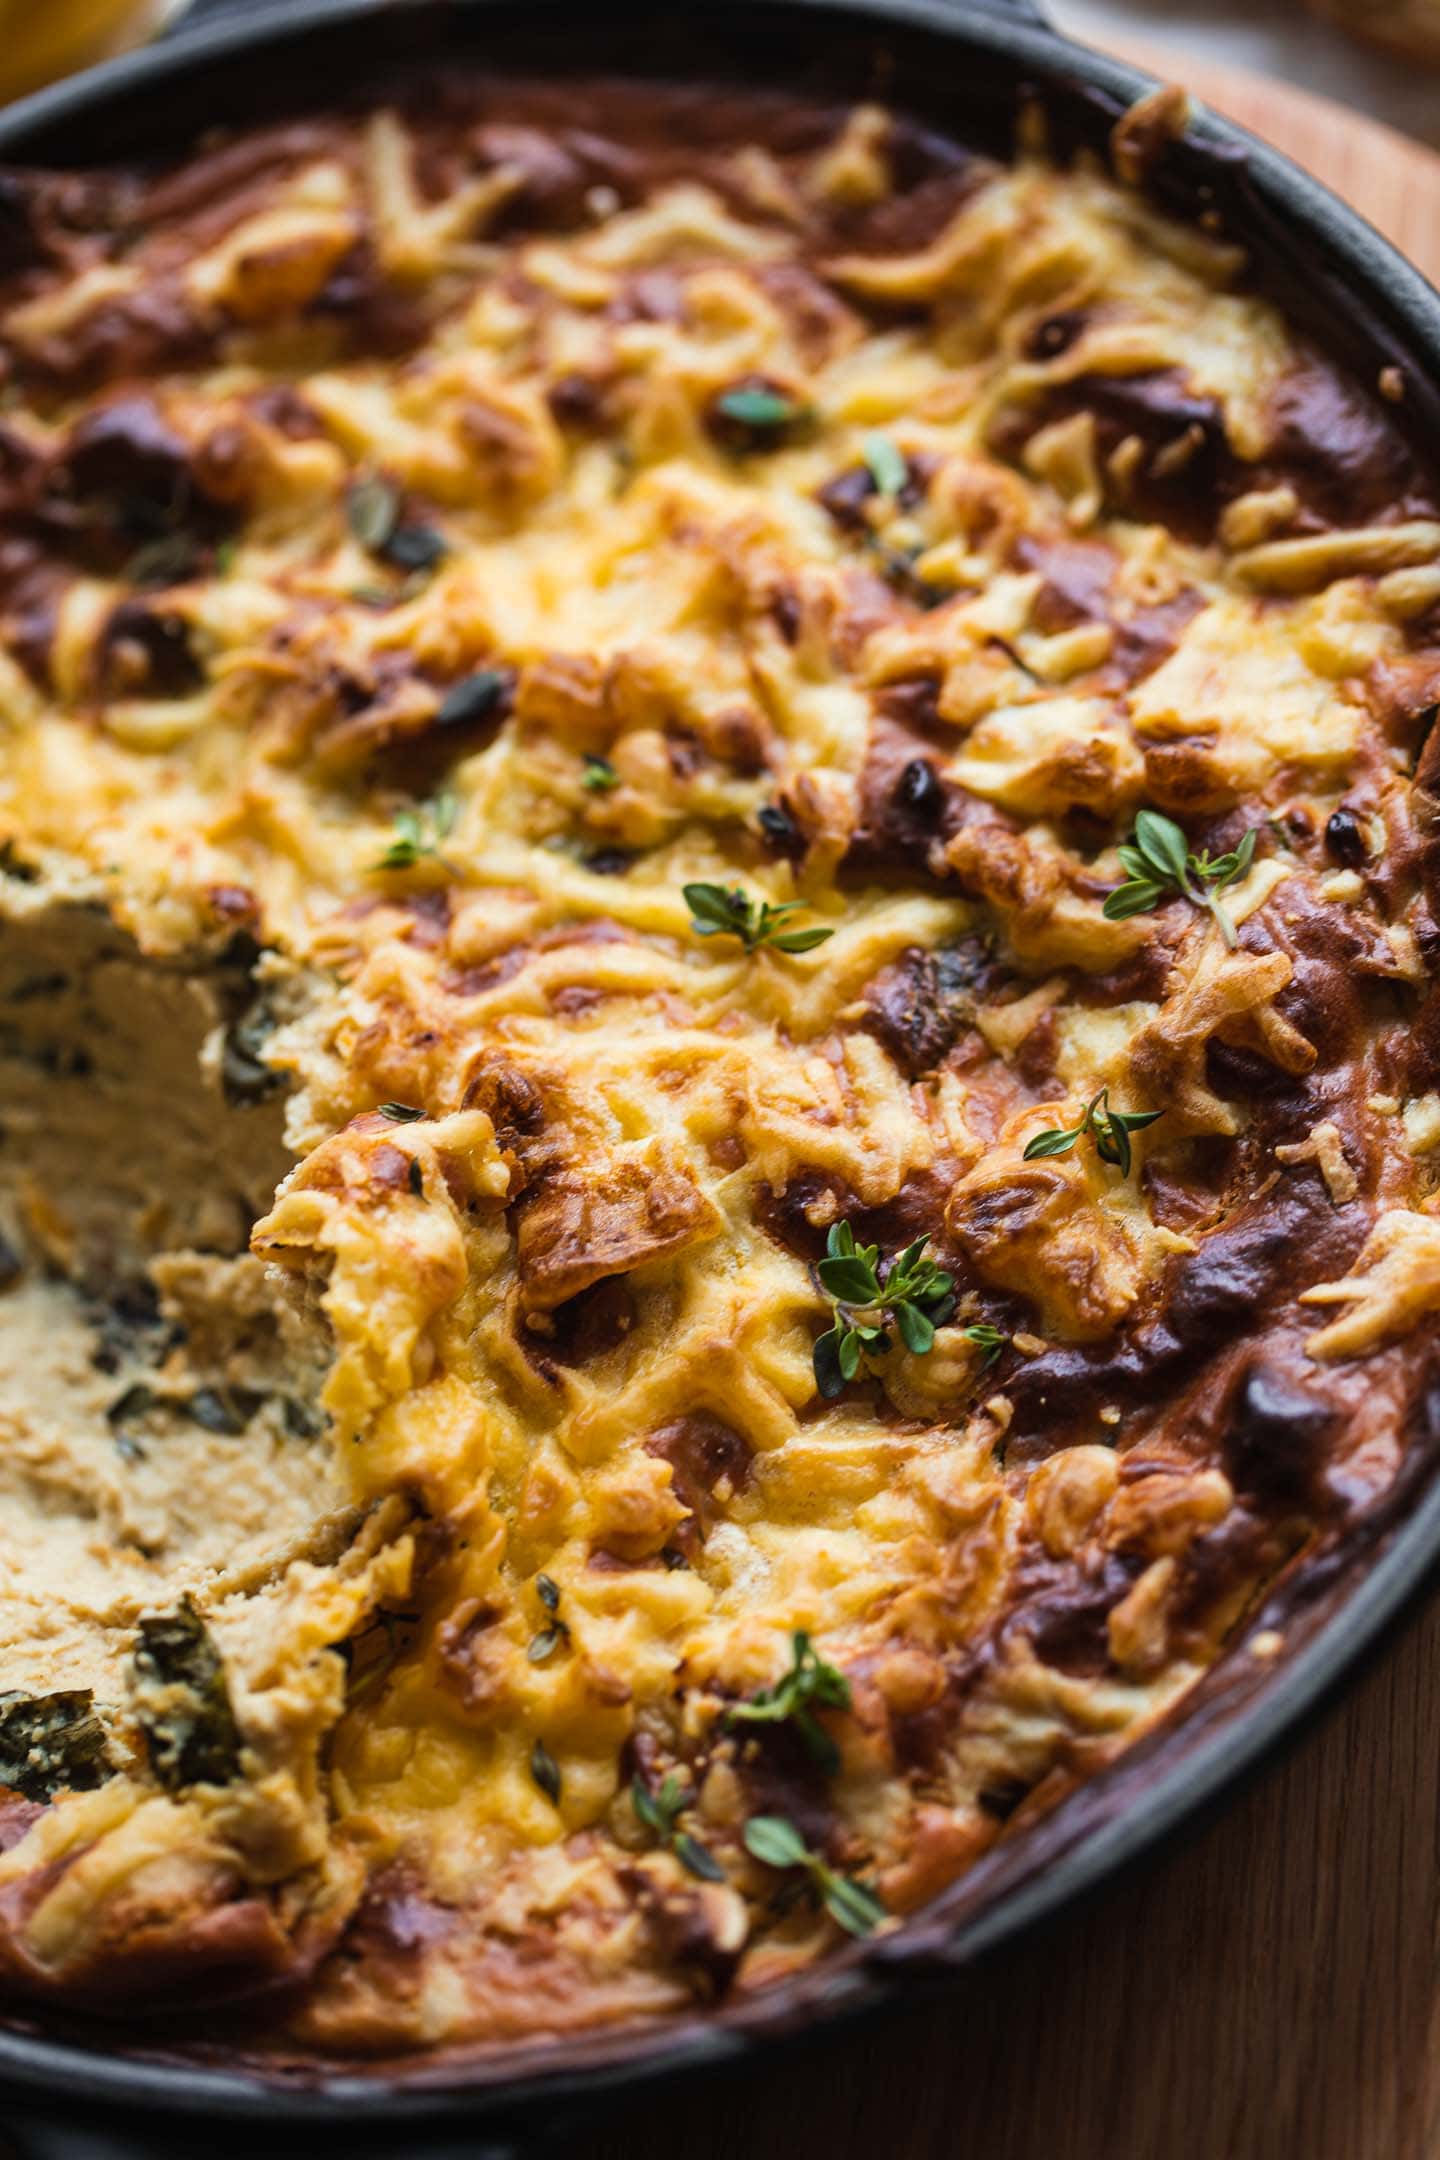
660 1812
1159 861
182 1701
792 1700
473 699
546 1772
415 547
759 411
420 832
1109 1129
401 1113
549 1638
916 1294
887 466
599 775
987 1338
52 1743
372 511
853 1906
720 911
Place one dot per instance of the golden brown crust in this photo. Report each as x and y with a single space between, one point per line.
433 537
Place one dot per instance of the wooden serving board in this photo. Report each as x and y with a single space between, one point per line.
1269 1991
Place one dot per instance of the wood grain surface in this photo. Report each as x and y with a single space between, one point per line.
1270 1990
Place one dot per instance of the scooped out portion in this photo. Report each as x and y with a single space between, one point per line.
161 1435
719 1069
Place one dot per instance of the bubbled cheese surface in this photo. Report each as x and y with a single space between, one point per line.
565 516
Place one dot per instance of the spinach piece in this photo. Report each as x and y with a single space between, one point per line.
244 1074
182 1701
52 1743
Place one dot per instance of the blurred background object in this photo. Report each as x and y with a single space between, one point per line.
1310 44
1283 39
43 39
1409 27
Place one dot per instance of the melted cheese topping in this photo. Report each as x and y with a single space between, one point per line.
753 517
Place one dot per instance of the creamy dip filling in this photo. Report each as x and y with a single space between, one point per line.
158 1422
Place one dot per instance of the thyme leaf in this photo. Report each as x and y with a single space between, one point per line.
420 833
546 1772
756 415
372 512
660 1812
550 1638
987 1338
775 1841
793 1698
887 466
758 408
473 698
599 775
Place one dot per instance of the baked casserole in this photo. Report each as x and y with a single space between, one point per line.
718 1028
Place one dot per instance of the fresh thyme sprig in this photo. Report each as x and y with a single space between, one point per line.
1109 1129
420 833
599 775
809 1683
916 1294
987 1338
1159 860
853 1905
660 1812
726 911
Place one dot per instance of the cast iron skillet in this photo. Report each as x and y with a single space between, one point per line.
967 64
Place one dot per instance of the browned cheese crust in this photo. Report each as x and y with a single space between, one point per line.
432 537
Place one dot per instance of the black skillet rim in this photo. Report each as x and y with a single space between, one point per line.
1400 313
